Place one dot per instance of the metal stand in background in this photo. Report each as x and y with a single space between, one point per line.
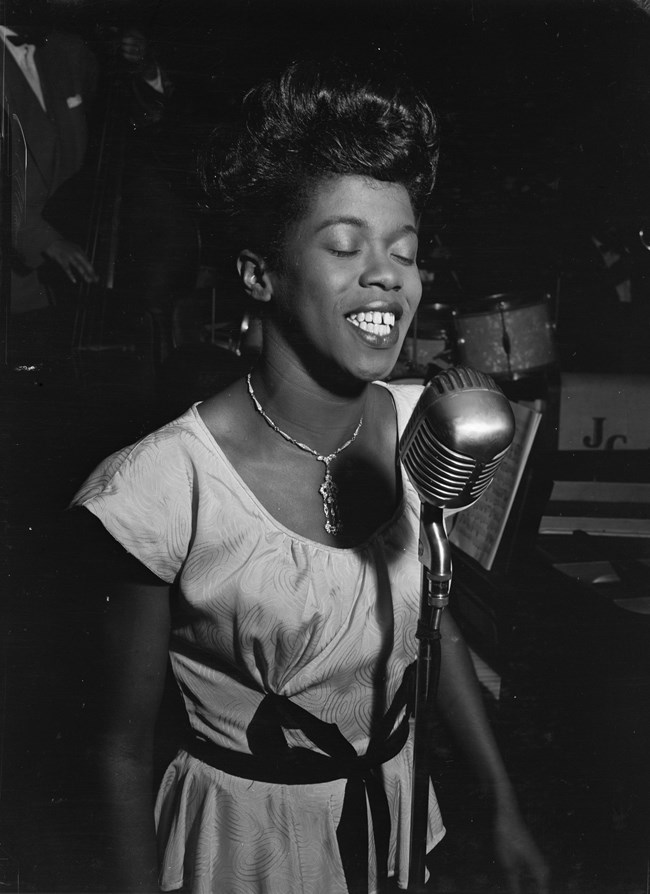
5 235
435 555
102 237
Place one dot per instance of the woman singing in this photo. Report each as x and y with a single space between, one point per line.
273 536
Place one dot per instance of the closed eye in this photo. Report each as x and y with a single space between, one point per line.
342 254
408 262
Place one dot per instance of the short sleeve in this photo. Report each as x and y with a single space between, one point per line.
143 496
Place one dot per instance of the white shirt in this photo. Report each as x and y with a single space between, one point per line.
24 56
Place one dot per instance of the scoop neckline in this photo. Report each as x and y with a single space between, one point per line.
395 517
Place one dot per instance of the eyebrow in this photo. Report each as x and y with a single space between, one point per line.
360 223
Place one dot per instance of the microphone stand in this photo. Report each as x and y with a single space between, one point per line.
435 556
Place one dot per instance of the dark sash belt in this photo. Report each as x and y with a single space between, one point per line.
272 760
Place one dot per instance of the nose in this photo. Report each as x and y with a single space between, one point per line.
381 271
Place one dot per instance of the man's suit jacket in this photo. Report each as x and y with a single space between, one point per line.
48 146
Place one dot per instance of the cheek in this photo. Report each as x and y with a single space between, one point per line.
307 296
414 294
324 287
413 301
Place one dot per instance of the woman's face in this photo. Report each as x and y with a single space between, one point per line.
349 284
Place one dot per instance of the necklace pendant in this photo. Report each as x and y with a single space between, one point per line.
328 489
329 492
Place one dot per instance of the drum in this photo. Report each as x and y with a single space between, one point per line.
210 316
507 336
430 338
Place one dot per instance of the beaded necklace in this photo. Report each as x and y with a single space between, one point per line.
328 489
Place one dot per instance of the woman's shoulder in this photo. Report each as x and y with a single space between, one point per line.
164 454
146 494
222 413
405 395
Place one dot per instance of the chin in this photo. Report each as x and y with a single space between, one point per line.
352 372
374 371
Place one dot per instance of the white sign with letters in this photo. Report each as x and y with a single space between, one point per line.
601 411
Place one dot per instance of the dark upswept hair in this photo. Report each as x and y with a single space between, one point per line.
316 120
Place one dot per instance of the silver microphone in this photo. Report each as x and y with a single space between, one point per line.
458 433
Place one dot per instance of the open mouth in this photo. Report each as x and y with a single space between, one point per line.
374 321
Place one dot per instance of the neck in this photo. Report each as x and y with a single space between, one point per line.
305 409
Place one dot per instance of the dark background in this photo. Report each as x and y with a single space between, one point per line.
544 115
543 109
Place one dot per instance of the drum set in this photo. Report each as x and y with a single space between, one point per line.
509 336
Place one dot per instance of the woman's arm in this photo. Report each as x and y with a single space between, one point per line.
461 703
131 630
136 639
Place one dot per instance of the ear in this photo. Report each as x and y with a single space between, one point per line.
254 274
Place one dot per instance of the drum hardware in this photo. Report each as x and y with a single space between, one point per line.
224 333
430 339
247 341
452 272
205 317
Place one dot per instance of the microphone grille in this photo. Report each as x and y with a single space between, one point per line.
457 437
457 378
444 477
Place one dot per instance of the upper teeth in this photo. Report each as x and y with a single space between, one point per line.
374 321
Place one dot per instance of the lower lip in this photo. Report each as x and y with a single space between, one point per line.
377 341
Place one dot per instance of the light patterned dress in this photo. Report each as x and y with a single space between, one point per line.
263 610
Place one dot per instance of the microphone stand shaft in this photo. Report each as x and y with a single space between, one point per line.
435 555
